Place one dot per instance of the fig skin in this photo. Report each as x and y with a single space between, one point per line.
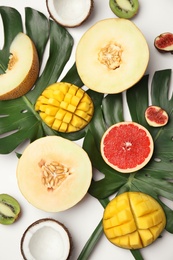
156 116
164 42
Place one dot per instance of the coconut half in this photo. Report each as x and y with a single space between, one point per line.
69 13
46 239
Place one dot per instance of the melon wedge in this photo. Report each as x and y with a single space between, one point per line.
112 56
23 68
54 173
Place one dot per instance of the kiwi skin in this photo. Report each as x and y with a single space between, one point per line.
13 205
122 13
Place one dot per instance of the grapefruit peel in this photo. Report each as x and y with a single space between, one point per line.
127 147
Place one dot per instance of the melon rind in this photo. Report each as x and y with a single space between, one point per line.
134 62
129 169
71 191
23 69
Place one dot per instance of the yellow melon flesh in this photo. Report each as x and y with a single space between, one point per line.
23 68
44 184
112 56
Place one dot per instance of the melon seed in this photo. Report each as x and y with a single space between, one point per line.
124 8
9 209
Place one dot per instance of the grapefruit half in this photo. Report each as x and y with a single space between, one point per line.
127 146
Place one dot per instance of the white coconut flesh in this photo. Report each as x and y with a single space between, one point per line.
45 240
69 13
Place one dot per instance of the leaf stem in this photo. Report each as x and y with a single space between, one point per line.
137 255
92 241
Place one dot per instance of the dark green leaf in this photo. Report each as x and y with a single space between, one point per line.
37 28
156 177
112 109
12 23
18 119
137 98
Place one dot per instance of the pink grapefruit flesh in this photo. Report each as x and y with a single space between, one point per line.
127 146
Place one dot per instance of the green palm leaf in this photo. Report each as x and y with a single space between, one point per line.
156 177
18 119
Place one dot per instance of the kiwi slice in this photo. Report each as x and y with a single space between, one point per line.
9 209
124 8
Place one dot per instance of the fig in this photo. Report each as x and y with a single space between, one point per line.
124 8
156 116
164 42
9 209
46 239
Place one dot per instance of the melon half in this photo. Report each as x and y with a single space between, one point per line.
112 56
23 68
54 173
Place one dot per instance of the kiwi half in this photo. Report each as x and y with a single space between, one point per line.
9 209
124 8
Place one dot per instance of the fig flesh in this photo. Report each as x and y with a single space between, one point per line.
9 209
164 42
124 8
156 116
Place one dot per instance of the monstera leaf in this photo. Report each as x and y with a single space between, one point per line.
18 119
156 177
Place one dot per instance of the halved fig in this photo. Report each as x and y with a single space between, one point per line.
156 116
69 13
46 239
124 8
164 42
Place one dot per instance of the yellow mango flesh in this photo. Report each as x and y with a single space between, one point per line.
133 220
65 107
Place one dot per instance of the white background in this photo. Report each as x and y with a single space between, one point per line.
154 17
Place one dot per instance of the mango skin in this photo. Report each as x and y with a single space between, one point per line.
133 220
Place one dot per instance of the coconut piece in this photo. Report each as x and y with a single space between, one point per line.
69 13
46 239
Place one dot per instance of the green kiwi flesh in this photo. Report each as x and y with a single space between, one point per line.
9 209
124 8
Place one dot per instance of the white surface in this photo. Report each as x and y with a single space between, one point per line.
154 18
